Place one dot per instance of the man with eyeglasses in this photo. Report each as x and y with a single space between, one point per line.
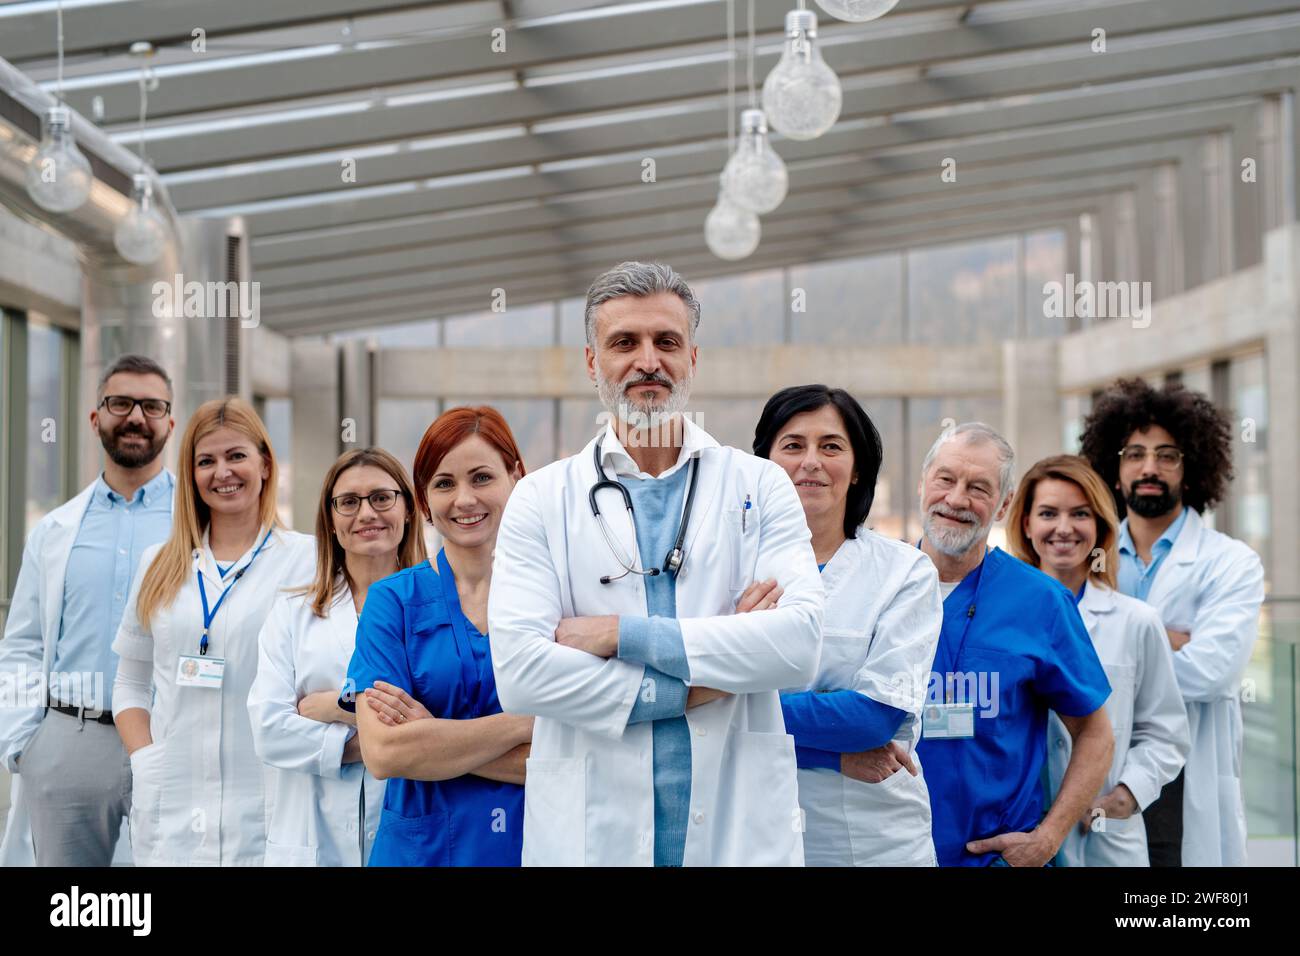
1167 454
72 783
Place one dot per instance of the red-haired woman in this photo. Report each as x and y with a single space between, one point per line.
427 713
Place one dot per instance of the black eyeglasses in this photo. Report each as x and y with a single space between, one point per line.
1167 456
381 500
124 405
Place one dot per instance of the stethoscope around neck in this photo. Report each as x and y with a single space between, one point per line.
675 558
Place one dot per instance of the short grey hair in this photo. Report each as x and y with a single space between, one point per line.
977 433
133 365
638 279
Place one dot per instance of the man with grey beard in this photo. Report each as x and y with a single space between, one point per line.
1012 648
72 781
613 615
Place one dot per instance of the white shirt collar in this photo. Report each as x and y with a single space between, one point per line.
614 456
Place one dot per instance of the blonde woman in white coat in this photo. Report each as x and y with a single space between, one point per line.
1063 521
861 790
326 805
188 648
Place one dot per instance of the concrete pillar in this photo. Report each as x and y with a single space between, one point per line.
1031 400
314 395
357 391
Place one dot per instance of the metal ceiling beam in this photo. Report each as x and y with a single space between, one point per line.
882 198
411 230
225 84
699 131
808 235
335 211
697 85
1107 137
697 265
819 210
29 34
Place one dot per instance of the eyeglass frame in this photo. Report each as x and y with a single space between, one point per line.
103 403
396 493
1155 453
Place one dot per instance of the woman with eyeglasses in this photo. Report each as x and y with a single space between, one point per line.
428 716
325 806
1063 521
188 648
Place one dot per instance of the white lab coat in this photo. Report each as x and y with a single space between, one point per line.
198 795
881 628
589 797
325 812
1211 586
1146 714
31 632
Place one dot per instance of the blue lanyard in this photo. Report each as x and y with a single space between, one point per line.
965 628
209 616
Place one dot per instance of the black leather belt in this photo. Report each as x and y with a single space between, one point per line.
82 713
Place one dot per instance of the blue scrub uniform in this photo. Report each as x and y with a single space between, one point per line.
413 634
1011 620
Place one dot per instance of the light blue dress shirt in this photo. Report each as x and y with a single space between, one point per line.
1136 578
656 641
105 556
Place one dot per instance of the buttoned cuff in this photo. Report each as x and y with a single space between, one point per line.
654 641
661 697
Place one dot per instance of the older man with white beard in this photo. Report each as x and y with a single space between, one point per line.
1012 648
613 615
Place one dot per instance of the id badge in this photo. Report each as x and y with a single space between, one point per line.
194 671
948 722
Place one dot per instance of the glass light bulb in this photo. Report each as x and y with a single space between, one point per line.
755 178
802 95
58 176
730 232
141 236
857 11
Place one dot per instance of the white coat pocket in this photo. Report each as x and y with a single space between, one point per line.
555 812
278 854
146 800
889 821
764 825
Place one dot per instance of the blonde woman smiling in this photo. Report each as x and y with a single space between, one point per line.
188 648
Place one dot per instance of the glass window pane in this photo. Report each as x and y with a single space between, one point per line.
962 294
848 302
580 419
531 420
892 501
277 413
746 309
529 325
1044 262
1250 499
423 334
573 322
401 423
47 429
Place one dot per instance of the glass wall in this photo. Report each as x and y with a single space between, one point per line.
49 429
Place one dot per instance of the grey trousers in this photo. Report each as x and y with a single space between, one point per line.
77 787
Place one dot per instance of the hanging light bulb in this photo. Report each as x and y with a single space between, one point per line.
58 176
857 11
730 232
140 237
755 178
802 95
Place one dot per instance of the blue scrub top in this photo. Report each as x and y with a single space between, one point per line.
1010 620
412 633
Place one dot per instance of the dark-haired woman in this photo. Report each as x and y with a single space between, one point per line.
428 716
864 799
324 807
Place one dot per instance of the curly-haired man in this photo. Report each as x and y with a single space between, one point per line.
1167 455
